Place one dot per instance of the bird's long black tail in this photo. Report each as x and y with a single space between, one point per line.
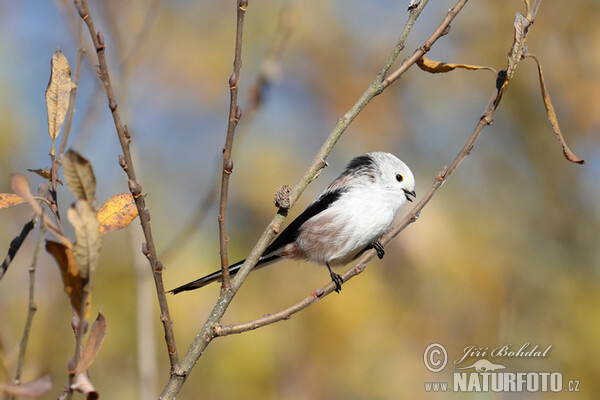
215 276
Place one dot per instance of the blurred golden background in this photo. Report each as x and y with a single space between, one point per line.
505 253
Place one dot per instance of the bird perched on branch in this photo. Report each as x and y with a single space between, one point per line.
345 220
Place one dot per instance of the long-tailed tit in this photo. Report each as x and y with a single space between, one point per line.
345 220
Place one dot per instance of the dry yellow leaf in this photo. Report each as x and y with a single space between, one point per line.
117 212
10 199
79 175
43 173
436 67
87 236
57 94
72 281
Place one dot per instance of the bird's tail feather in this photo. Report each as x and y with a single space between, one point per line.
215 276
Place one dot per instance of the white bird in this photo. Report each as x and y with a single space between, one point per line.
345 220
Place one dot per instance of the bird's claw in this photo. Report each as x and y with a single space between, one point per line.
378 248
338 280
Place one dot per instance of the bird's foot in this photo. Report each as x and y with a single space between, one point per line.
335 278
378 248
338 280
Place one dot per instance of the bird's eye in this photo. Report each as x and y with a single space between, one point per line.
399 178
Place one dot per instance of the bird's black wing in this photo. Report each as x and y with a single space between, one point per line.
291 232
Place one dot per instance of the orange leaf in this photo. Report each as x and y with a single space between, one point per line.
43 173
72 281
552 116
435 67
10 199
93 345
117 212
37 388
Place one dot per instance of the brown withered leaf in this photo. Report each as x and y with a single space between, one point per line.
436 67
72 281
552 115
79 174
37 388
43 173
20 185
10 199
518 48
87 236
57 94
93 345
117 212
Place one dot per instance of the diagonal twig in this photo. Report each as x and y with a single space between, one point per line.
208 331
235 113
15 245
126 162
360 265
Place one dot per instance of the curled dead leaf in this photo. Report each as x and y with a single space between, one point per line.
436 67
72 281
117 212
43 173
57 94
569 155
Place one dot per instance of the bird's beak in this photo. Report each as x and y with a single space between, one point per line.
408 194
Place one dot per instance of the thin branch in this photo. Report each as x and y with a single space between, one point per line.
360 265
235 113
32 308
80 328
126 162
15 245
256 95
207 333
442 29
73 97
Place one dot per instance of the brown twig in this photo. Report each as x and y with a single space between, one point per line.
359 266
126 162
207 333
256 95
73 96
32 308
235 113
